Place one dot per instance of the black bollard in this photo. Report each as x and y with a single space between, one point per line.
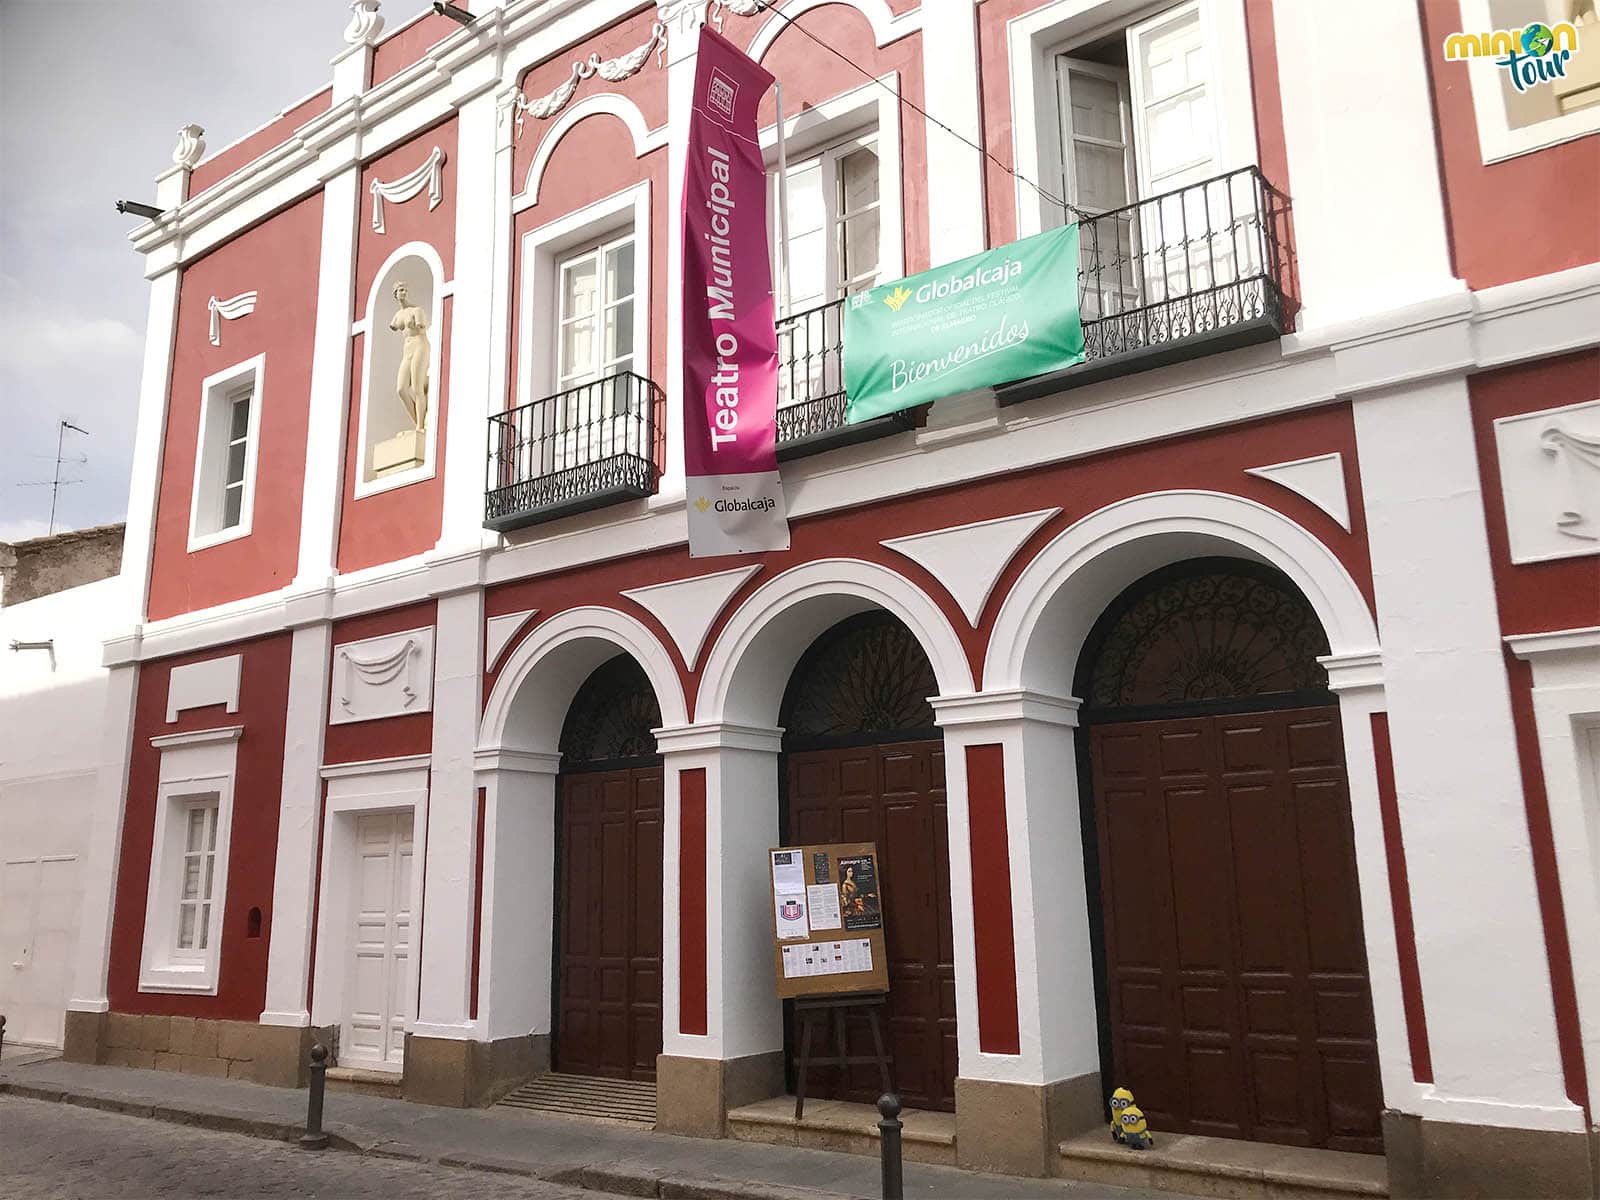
313 1138
889 1147
2 1034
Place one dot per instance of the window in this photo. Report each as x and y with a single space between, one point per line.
189 861
225 455
595 296
197 877
834 242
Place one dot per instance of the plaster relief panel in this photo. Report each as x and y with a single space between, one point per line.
202 684
388 676
1550 481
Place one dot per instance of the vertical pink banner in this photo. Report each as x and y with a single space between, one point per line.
730 345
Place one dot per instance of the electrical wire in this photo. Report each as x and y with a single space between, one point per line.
766 6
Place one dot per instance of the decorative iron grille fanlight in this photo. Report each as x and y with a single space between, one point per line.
1222 632
612 715
866 675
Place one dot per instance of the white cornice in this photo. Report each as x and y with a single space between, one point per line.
197 737
1532 646
377 766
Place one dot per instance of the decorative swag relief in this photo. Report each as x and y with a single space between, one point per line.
379 677
684 13
230 309
1550 480
429 173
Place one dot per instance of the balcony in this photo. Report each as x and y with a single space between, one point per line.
596 444
1196 271
811 395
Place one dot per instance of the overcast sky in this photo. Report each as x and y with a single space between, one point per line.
91 96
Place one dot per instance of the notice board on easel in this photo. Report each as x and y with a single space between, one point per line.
827 914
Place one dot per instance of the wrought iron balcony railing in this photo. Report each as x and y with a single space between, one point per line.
1195 271
595 444
811 386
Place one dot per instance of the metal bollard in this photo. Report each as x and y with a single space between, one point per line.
313 1138
889 1147
2 1034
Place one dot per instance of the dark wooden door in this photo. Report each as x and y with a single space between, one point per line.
608 1000
1236 966
892 795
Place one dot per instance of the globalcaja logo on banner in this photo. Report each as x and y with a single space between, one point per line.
1536 54
1007 314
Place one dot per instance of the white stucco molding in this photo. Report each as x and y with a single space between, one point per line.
1072 579
580 638
198 737
516 762
687 608
1534 647
625 110
1005 707
1354 671
886 26
1319 479
968 559
712 736
377 766
749 664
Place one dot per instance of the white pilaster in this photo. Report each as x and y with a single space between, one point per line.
482 207
682 54
956 217
1058 1030
328 415
294 876
1480 936
1346 70
741 766
105 842
149 440
451 835
519 883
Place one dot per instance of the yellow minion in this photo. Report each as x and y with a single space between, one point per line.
1136 1134
1120 1099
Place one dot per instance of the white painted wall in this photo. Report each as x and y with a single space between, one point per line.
51 707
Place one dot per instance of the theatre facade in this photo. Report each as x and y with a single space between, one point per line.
1225 709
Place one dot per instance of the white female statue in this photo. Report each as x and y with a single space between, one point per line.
412 381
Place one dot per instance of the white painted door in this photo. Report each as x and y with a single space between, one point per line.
377 997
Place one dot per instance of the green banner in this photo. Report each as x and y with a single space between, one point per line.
1006 314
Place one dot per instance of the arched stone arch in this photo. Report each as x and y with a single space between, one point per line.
610 103
530 699
749 666
1049 611
886 27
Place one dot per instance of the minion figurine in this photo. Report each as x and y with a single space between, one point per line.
1136 1134
1120 1099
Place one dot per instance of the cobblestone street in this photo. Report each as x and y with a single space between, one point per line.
63 1152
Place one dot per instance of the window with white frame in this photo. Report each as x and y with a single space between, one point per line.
594 312
225 455
188 861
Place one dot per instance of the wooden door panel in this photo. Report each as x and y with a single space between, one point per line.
1236 966
608 1020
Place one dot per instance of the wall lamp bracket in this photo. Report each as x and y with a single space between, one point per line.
459 15
148 211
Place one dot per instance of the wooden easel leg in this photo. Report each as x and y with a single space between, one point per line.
877 1048
805 1065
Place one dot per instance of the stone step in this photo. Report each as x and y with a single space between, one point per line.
364 1081
926 1137
1237 1170
629 1102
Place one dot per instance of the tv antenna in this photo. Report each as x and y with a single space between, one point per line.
57 483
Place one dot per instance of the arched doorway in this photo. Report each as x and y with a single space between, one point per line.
864 762
1231 957
608 878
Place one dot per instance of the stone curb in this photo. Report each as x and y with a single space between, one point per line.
616 1180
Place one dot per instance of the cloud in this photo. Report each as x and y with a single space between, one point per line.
20 529
42 342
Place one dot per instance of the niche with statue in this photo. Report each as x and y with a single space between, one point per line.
400 379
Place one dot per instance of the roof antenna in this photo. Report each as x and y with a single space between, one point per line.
58 483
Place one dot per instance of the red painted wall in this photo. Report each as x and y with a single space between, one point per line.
278 260
1563 593
405 520
252 146
994 58
252 847
692 901
994 944
390 737
1405 930
1526 216
1215 461
405 46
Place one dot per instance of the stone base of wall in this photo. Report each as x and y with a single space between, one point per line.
1015 1128
464 1074
275 1055
1440 1158
693 1095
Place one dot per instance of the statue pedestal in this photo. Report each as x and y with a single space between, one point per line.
402 452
